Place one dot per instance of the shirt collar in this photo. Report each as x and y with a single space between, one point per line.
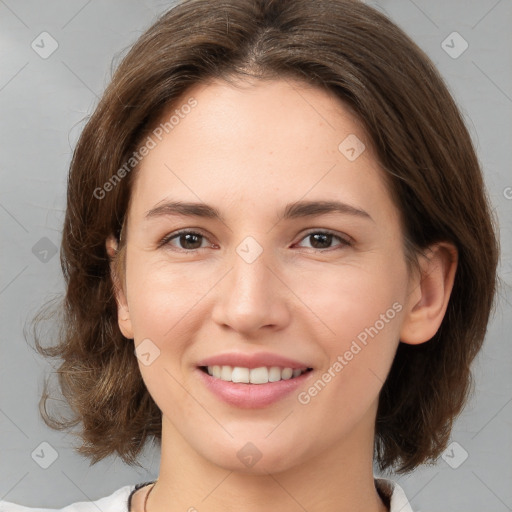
398 501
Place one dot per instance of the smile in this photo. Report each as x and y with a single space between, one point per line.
234 386
261 375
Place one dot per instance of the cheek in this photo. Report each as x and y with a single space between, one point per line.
359 357
335 302
359 315
348 300
162 310
161 297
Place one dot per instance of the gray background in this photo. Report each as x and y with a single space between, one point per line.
43 102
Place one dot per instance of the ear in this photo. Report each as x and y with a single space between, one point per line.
123 313
429 294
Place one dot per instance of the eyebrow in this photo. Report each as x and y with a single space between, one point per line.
294 210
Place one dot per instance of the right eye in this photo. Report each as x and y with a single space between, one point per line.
186 238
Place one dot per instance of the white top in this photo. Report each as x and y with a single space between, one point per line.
118 501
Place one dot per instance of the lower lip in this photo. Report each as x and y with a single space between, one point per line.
252 396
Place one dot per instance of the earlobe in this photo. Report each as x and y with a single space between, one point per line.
429 294
111 246
123 313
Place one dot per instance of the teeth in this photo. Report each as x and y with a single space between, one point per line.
261 375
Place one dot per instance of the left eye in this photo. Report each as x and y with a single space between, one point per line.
323 238
191 240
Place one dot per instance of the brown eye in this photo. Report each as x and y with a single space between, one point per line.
187 240
323 239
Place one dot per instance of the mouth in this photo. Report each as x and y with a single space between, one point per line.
261 375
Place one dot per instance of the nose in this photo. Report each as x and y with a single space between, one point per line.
252 295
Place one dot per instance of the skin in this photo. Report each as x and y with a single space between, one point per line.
248 151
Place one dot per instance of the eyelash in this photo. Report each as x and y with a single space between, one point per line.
345 242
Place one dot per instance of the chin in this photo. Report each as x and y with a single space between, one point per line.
258 457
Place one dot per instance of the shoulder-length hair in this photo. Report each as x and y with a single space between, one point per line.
418 136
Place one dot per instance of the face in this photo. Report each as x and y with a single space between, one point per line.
327 290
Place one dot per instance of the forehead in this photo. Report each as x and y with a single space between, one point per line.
254 142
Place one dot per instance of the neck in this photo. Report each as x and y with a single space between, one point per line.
337 480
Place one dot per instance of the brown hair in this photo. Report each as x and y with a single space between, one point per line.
418 137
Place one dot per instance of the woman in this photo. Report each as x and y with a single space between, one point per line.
273 256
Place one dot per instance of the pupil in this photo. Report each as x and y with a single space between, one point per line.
326 239
187 242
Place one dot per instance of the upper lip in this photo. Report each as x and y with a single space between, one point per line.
252 360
